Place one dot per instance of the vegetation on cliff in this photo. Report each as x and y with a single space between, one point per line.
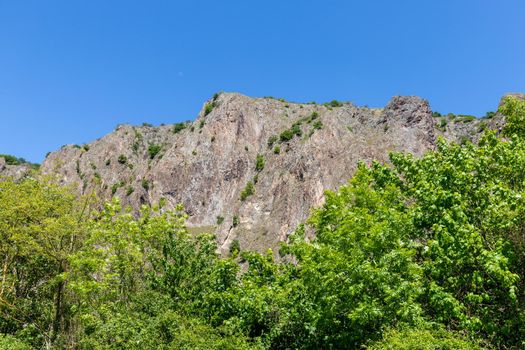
423 253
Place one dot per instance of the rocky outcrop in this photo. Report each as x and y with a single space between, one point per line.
13 171
208 163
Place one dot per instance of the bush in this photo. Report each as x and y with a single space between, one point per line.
286 135
235 248
153 150
178 127
247 191
318 125
289 134
122 159
209 107
271 140
335 103
259 163
442 124
235 221
220 220
145 184
277 150
489 115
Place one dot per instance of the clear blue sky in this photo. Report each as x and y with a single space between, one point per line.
70 71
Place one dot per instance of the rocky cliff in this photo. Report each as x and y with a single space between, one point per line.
250 169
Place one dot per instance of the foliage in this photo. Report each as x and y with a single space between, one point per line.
122 159
153 150
423 253
289 134
271 140
12 160
423 339
334 103
259 163
248 190
514 110
178 127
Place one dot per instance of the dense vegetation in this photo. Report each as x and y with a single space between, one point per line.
421 254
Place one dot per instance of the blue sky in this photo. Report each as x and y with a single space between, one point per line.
70 71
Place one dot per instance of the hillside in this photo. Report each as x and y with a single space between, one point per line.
206 164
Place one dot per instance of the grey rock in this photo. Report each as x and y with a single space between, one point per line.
207 165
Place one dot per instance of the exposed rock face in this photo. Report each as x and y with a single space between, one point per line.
13 171
207 165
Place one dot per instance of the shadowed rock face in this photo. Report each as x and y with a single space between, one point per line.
207 165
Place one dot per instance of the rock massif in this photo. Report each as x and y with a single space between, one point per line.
250 169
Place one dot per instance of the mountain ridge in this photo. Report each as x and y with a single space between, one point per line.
213 164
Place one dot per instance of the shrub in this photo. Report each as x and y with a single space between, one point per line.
153 150
122 159
467 118
436 115
116 186
235 221
286 135
271 140
259 163
201 123
129 191
482 126
178 127
220 220
335 103
235 248
489 115
148 125
277 150
145 184
209 107
247 191
318 125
